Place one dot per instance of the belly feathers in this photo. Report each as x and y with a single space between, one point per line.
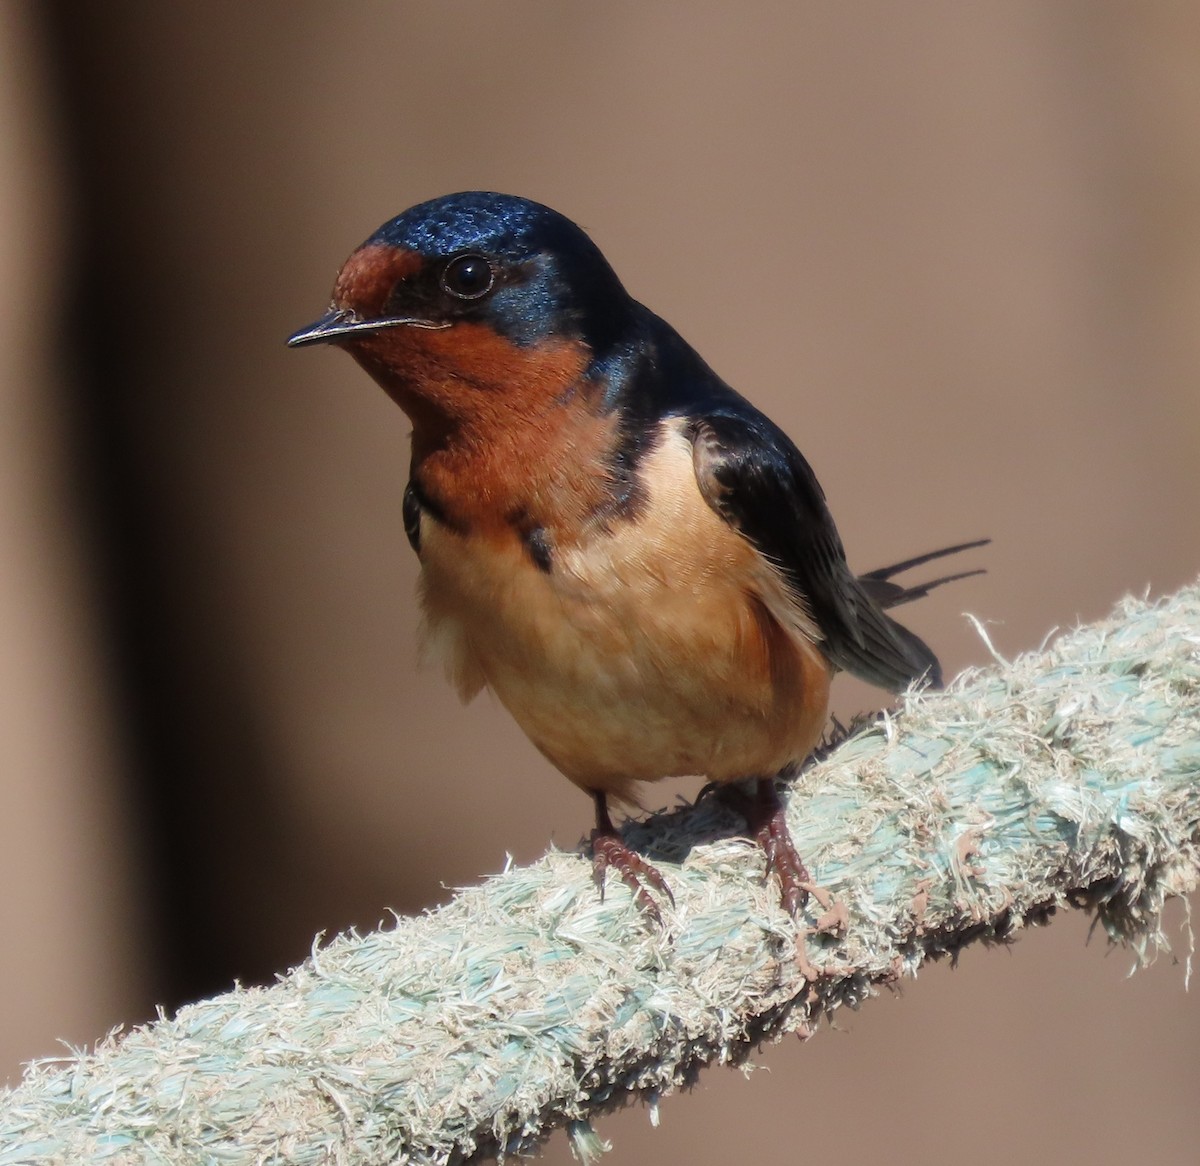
648 650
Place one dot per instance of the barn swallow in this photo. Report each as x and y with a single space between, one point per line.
636 561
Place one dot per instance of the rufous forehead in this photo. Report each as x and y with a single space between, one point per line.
369 275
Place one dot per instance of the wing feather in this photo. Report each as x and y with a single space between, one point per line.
750 472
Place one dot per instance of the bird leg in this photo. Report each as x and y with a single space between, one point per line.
609 850
767 825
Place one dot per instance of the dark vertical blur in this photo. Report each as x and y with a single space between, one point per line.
195 758
953 249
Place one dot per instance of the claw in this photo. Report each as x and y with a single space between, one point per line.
609 851
767 822
783 860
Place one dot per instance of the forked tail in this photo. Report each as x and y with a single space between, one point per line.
877 584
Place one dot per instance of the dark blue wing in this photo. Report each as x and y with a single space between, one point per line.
753 476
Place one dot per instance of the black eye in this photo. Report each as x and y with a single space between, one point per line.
469 277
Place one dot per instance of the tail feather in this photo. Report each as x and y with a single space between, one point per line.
887 594
887 653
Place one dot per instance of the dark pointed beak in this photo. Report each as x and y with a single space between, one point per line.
340 322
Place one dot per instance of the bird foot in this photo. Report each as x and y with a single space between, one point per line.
767 825
610 852
784 862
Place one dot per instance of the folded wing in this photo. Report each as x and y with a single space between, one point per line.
751 473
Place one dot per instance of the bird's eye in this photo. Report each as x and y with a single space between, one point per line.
469 277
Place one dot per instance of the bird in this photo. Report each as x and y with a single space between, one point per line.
634 559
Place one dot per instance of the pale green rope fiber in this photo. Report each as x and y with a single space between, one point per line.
1070 777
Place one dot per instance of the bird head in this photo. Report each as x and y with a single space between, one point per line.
471 297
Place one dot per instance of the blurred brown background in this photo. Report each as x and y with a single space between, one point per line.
953 249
